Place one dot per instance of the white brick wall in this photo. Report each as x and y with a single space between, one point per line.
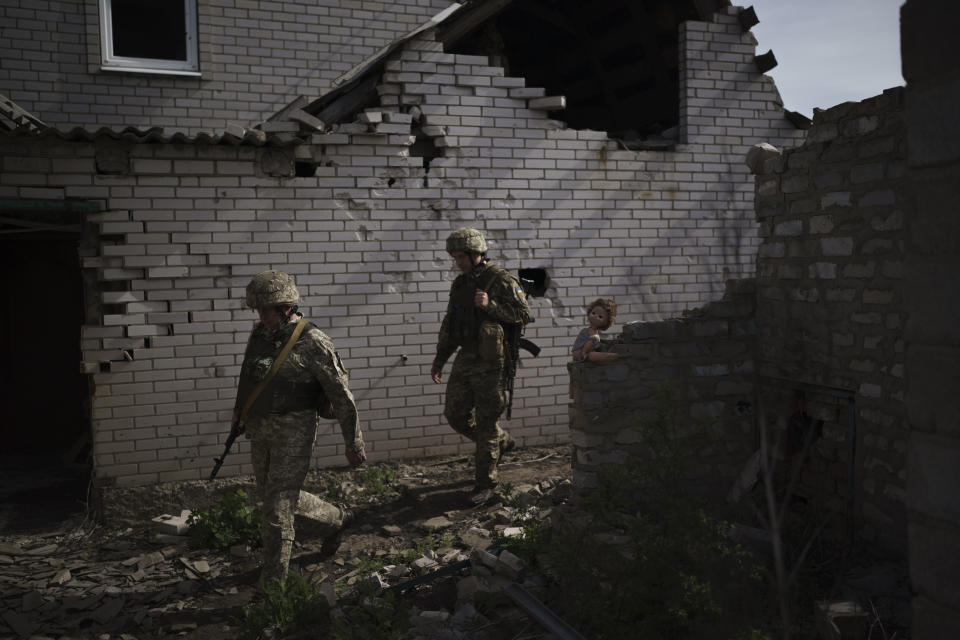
254 59
657 231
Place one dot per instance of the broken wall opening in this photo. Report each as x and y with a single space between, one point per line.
813 433
45 415
617 62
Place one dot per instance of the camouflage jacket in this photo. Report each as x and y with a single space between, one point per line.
461 324
312 379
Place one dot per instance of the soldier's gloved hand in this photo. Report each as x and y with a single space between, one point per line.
435 374
356 458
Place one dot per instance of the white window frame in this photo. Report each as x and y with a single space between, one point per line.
112 62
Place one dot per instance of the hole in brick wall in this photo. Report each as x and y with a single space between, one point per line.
305 169
617 62
534 281
424 147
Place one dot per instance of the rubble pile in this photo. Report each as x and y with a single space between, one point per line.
145 581
66 587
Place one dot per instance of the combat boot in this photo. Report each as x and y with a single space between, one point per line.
332 542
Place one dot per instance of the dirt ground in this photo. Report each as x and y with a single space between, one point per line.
82 580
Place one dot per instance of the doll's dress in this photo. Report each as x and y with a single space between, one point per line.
582 339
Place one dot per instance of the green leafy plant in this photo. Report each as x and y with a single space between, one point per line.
369 613
642 557
289 608
527 545
377 481
228 522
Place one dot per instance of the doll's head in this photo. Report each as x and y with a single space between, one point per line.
601 313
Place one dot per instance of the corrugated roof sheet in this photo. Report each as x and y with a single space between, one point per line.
155 135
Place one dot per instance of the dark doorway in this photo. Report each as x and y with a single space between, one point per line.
44 416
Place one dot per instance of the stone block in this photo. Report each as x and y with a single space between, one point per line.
933 475
822 270
844 620
679 349
927 32
638 330
930 295
711 328
837 246
821 224
758 154
935 227
789 228
932 402
893 222
861 126
508 564
880 197
173 525
933 621
835 199
934 562
933 130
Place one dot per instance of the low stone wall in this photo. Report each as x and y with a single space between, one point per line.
706 356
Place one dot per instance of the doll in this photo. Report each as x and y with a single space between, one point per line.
600 315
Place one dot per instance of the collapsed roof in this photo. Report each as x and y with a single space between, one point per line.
615 61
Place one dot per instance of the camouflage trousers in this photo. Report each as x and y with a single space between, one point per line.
476 397
281 446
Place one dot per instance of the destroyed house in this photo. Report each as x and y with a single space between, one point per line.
599 146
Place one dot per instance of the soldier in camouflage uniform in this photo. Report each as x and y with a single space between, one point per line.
483 299
282 421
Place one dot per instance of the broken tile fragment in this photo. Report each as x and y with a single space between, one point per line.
61 577
437 523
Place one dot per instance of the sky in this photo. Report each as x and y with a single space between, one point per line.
829 51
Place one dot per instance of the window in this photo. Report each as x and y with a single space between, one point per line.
149 36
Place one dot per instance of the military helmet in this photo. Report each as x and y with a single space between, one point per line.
272 289
466 239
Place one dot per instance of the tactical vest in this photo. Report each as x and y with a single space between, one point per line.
467 318
292 388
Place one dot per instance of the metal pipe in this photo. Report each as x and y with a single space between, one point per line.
541 613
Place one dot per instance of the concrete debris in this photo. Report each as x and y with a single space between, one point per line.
759 155
136 583
173 525
71 590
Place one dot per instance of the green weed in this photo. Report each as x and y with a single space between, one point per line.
643 558
228 522
369 613
527 545
294 606
377 482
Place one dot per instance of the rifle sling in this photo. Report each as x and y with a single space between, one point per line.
273 369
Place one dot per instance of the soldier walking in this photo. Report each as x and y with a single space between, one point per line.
291 373
484 300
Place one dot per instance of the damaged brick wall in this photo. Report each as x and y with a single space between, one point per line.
830 315
831 311
254 58
359 215
706 357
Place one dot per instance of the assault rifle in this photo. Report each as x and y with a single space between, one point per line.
234 434
516 341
